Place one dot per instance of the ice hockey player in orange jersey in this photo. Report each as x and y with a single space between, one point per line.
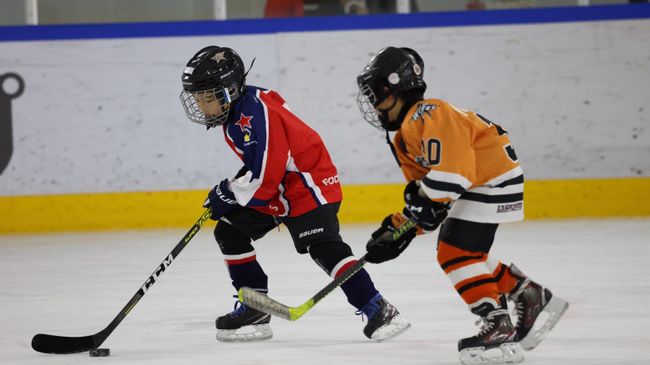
463 173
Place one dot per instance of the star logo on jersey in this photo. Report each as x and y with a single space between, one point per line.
218 57
244 122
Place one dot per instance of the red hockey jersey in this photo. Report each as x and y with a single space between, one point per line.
290 169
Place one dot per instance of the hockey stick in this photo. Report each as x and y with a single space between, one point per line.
52 344
264 303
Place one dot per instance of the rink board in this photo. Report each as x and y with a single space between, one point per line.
361 204
568 83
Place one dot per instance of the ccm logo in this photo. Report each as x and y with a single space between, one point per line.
331 180
152 279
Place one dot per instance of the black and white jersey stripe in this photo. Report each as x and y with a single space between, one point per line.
503 189
441 185
498 200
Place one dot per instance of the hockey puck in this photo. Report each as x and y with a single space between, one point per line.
99 352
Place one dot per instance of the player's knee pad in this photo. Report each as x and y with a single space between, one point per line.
469 236
331 255
231 241
450 256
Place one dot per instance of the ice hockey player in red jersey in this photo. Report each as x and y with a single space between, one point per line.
462 171
288 178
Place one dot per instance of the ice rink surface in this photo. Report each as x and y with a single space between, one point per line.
75 284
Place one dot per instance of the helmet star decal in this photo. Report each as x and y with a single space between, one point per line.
219 57
244 122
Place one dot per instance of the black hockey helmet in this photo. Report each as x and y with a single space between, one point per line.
391 71
213 73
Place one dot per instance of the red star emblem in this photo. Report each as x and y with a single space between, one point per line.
244 122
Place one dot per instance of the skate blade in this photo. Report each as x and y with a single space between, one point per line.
555 308
506 353
259 332
396 327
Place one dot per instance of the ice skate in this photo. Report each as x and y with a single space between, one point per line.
536 308
496 342
384 321
244 324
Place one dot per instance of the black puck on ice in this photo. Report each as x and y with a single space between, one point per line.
99 352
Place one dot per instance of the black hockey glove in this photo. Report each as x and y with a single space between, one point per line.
221 199
382 246
427 213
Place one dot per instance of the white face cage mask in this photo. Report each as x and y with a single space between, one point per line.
365 100
208 107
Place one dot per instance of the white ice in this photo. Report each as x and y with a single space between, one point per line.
75 284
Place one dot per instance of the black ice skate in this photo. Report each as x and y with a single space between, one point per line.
244 324
496 342
537 309
384 321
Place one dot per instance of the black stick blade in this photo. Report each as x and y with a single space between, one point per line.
50 344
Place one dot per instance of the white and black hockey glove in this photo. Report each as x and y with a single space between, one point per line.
428 213
382 246
221 199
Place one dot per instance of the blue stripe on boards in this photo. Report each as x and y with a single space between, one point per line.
333 23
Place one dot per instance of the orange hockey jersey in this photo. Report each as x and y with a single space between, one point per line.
463 158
